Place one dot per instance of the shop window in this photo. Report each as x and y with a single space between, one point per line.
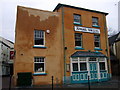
97 41
77 19
95 21
39 64
75 66
102 65
39 37
83 67
78 39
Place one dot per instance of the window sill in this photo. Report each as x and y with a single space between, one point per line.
79 48
35 74
77 24
96 26
98 49
39 47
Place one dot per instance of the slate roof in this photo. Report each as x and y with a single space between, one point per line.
87 54
60 5
112 39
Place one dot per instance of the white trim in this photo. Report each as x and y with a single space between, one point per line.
106 67
78 63
71 68
88 67
98 66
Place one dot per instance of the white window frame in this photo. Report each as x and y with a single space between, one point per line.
43 38
79 61
39 62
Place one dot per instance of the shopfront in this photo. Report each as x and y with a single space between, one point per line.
92 64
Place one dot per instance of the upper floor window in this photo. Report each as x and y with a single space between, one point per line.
77 18
39 37
97 41
95 21
39 64
78 39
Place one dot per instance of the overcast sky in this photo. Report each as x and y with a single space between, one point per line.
8 9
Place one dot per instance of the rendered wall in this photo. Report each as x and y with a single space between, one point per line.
87 38
27 20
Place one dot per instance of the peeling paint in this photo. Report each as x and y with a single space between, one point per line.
43 15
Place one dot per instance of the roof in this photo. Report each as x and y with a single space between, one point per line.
60 5
87 54
113 38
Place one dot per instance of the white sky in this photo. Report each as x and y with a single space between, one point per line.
8 9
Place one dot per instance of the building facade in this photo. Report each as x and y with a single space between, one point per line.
114 44
69 43
6 62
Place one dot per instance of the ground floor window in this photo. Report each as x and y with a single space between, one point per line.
79 64
83 63
75 66
102 65
39 64
83 66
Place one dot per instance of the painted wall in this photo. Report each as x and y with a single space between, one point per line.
27 21
5 48
60 25
88 38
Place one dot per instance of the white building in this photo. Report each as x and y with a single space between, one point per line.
6 59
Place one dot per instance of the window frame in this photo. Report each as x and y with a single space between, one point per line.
78 61
79 38
97 42
79 19
95 22
39 63
43 37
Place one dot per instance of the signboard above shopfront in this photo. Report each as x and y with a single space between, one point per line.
85 29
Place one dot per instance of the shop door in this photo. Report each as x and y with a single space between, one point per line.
93 71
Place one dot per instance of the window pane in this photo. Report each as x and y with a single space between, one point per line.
102 65
77 18
75 66
83 67
39 67
97 41
78 39
92 59
39 37
39 64
95 21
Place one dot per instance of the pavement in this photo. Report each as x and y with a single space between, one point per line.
113 84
